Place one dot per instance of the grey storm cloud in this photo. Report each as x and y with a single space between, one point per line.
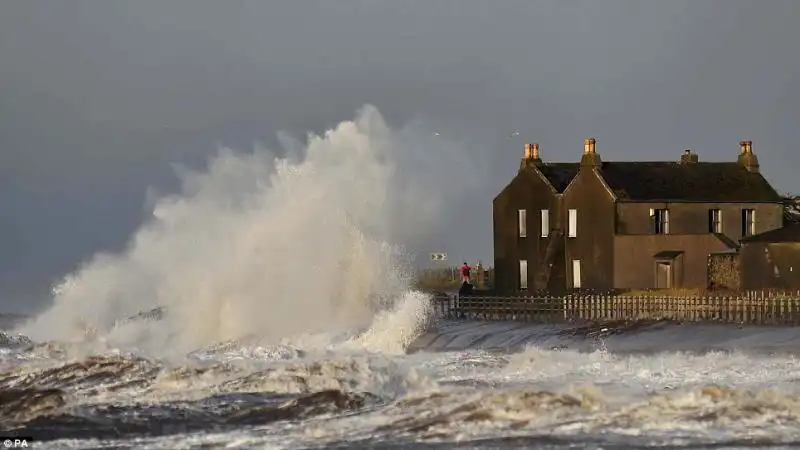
98 98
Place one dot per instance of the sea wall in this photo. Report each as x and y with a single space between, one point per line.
622 337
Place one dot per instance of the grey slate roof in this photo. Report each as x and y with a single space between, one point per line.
789 233
559 174
703 181
672 181
668 254
727 241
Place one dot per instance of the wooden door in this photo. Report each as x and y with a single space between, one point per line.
663 275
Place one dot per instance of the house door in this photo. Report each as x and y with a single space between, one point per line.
576 273
663 275
523 275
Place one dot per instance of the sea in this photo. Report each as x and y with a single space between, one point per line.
270 304
453 385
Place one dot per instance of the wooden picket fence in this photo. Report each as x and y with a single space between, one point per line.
751 307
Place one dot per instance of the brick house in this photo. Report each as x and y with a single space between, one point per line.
625 225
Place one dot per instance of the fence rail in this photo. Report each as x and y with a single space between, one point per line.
754 308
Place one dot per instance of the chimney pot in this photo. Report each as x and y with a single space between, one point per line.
689 157
590 156
588 145
531 156
746 146
747 158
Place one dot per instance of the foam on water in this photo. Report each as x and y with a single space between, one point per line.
315 243
675 398
393 331
537 394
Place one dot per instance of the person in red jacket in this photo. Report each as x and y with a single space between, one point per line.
465 268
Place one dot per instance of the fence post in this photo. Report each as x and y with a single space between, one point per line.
745 309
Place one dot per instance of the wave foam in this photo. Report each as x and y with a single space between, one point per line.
273 247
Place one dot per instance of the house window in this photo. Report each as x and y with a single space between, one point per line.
576 273
714 221
573 223
660 221
545 223
522 216
523 274
748 222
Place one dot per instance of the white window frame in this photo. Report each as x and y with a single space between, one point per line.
523 274
522 223
749 222
715 220
576 273
573 223
664 222
545 223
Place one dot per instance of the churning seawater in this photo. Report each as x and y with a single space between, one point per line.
289 320
467 385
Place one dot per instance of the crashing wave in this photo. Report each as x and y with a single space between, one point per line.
25 404
14 342
151 315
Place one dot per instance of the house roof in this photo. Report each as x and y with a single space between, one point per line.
559 174
789 233
702 181
668 254
727 241
672 181
791 208
727 251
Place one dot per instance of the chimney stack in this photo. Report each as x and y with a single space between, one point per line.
590 156
534 150
531 155
689 157
747 158
588 146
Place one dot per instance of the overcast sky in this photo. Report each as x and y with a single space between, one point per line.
98 97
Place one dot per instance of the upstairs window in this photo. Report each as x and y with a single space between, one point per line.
545 223
573 223
522 222
714 221
748 222
660 221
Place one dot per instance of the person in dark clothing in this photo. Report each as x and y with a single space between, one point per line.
466 288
